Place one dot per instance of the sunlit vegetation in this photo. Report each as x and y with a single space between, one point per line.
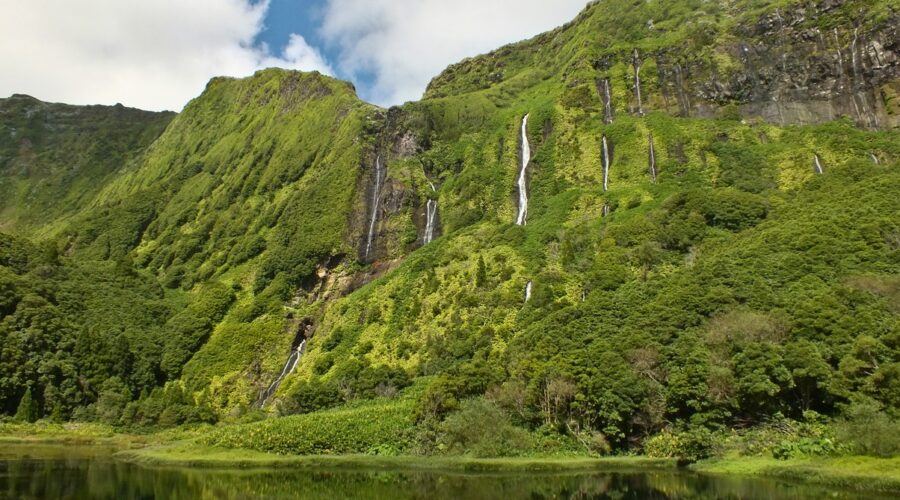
739 304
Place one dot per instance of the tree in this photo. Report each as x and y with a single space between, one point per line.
28 409
481 275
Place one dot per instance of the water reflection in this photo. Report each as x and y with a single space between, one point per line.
66 472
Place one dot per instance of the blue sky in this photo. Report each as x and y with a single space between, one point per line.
159 54
305 17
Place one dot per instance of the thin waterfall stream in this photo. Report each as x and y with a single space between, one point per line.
607 102
430 217
606 162
289 366
652 159
636 62
376 195
818 165
522 181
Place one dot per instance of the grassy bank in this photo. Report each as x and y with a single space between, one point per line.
68 433
855 472
190 455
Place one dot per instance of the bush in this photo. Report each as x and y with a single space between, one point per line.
869 431
482 429
686 446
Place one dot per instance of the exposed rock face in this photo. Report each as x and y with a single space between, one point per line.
397 202
788 72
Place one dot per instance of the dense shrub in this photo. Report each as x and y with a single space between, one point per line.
869 431
687 446
482 429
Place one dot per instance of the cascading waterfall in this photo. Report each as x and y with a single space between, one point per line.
652 159
289 368
874 158
636 62
430 217
583 295
607 102
523 188
528 291
606 161
605 210
818 165
376 195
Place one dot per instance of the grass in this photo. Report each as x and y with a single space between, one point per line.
69 434
855 472
191 455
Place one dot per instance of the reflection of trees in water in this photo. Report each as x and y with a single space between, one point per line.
106 479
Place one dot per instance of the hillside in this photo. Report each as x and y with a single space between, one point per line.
663 219
55 157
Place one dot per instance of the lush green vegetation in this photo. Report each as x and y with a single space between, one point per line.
54 158
738 305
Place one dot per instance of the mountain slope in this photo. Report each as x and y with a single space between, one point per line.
54 157
703 248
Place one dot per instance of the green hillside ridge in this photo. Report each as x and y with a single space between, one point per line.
55 157
725 289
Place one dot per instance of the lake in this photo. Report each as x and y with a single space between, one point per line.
57 471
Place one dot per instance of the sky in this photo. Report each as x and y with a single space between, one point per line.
159 54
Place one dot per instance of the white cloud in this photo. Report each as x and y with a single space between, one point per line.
404 43
158 54
149 54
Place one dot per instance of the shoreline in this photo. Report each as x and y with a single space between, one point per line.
187 455
858 473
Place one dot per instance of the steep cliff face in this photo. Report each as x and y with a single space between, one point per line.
808 64
786 62
54 158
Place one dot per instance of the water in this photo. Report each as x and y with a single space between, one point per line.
430 217
652 158
376 196
430 213
636 62
523 188
289 366
528 287
818 165
607 102
606 161
51 472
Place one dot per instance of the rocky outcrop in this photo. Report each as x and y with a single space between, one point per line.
786 69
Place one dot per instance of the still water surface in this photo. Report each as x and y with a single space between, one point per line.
50 472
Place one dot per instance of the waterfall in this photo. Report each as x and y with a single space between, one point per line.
607 102
528 290
583 295
523 189
853 59
818 166
652 159
874 158
606 161
430 216
840 56
605 210
376 195
636 62
289 367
